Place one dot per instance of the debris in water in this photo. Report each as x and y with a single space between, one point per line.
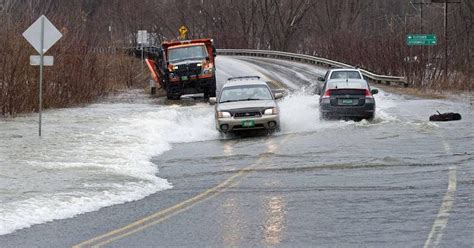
445 116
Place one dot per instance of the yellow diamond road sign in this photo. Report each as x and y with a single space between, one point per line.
182 32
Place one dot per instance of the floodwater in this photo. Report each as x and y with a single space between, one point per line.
100 155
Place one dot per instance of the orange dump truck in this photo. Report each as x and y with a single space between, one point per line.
186 67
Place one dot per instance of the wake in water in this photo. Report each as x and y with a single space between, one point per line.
300 113
89 158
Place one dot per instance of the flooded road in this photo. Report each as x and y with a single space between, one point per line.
398 180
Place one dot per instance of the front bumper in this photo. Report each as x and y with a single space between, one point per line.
192 78
268 122
191 86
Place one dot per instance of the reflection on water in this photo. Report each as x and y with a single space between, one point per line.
229 148
231 233
272 146
274 220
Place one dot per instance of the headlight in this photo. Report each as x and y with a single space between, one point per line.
175 67
223 114
271 111
207 70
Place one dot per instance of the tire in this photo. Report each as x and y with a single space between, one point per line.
170 95
173 97
273 130
212 89
223 135
209 92
212 92
322 116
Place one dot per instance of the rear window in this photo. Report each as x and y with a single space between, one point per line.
345 74
347 85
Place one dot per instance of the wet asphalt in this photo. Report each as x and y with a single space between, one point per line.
398 181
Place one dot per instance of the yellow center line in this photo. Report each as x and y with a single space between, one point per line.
203 197
167 213
441 221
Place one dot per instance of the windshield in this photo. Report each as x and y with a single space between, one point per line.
184 53
345 74
245 93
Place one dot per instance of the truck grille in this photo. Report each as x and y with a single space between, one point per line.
188 69
247 114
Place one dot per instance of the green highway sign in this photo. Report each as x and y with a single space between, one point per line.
422 39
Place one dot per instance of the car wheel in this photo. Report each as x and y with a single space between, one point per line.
173 97
222 135
323 116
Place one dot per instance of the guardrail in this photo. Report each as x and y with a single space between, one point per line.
389 80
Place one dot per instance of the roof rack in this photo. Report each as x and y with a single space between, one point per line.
244 77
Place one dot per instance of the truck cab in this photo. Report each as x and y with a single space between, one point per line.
188 67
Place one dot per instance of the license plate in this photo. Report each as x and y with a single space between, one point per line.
184 78
347 101
249 123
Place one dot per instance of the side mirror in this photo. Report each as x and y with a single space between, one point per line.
374 91
208 59
278 95
212 100
321 79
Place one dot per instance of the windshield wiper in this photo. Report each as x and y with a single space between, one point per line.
249 99
241 100
184 59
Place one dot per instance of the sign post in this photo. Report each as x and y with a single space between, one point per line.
42 35
142 39
40 107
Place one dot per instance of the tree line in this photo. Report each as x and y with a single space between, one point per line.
90 59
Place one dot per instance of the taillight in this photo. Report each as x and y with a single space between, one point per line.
368 94
327 94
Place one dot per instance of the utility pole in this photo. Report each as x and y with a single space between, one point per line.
421 17
421 49
409 59
446 41
421 3
446 45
